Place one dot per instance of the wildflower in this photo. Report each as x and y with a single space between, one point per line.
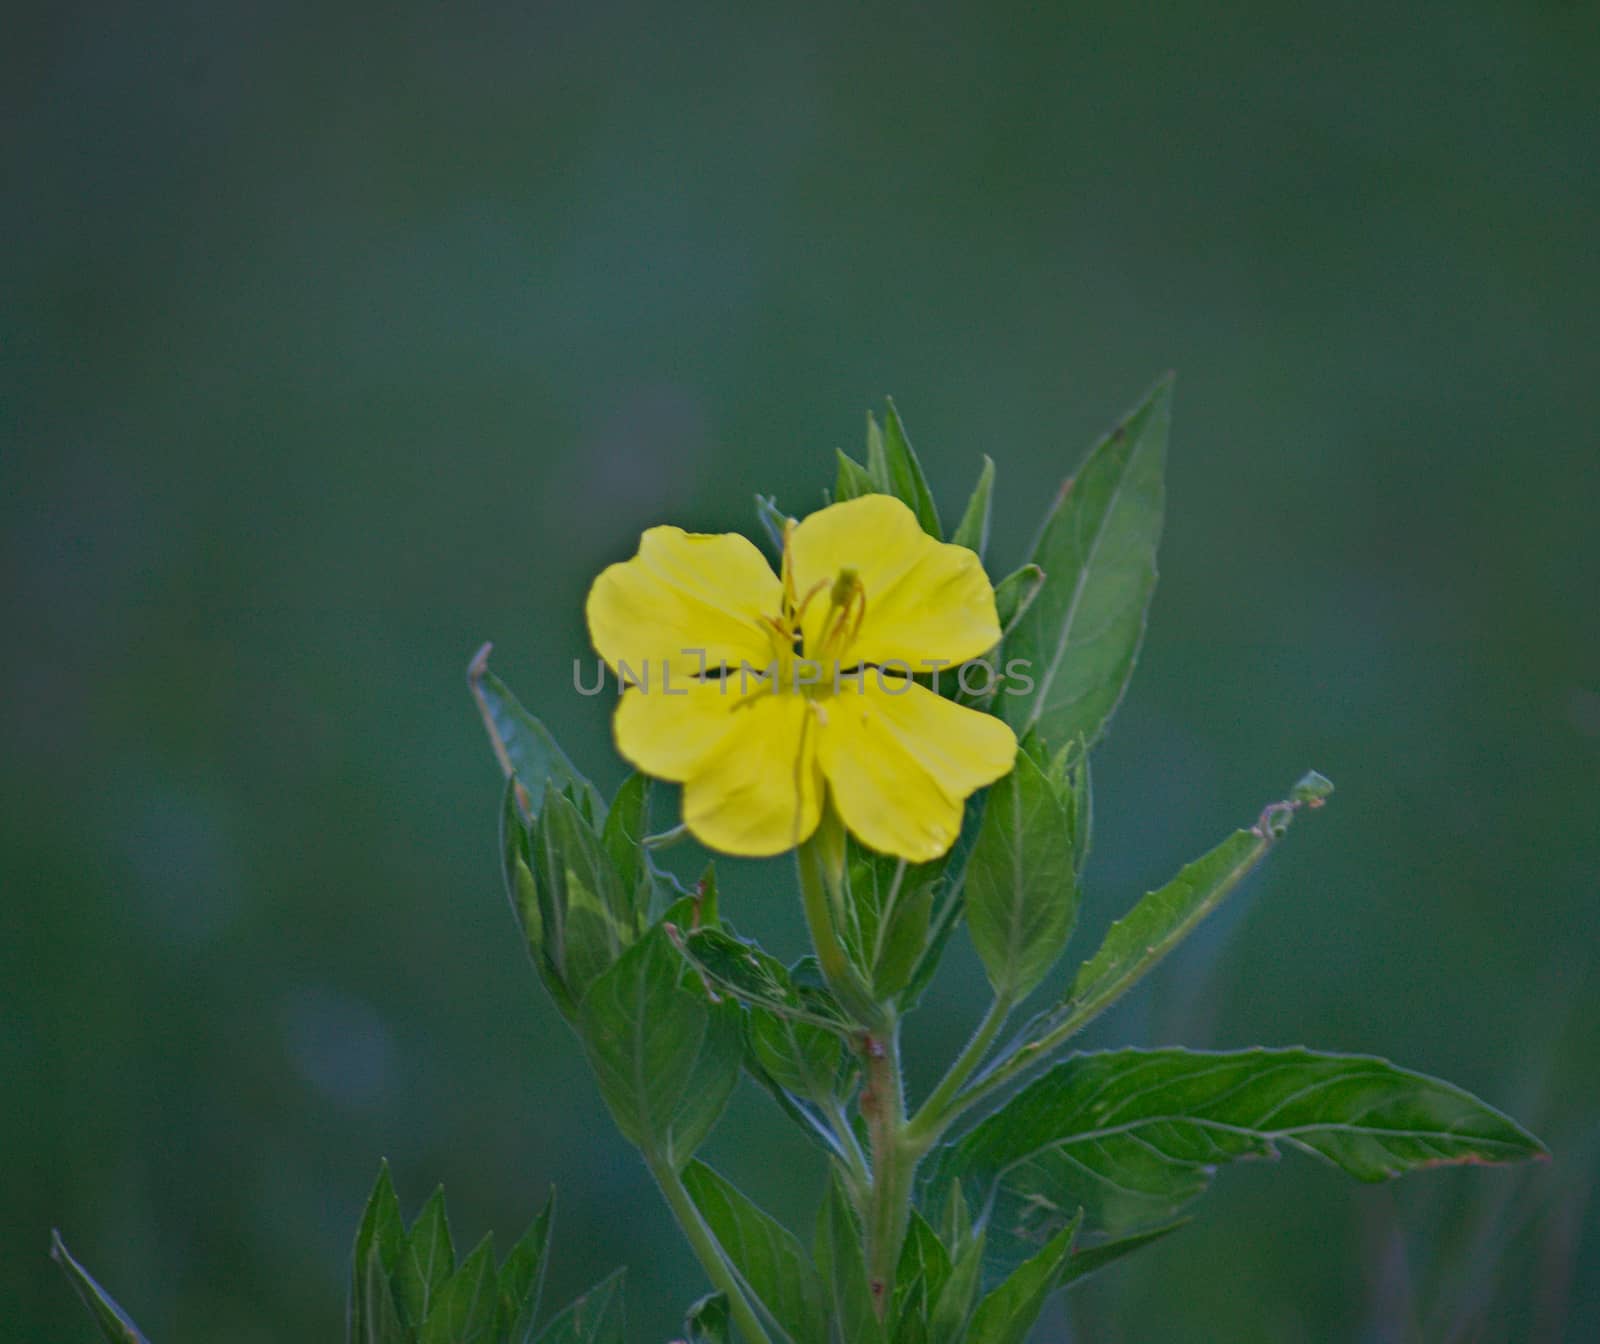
774 698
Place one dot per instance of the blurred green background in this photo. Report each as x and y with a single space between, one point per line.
340 338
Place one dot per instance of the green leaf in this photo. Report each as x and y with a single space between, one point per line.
1085 1260
1161 920
922 1273
763 1253
665 1058
523 745
1081 636
428 1260
626 824
709 1321
521 1282
948 901
891 903
947 1322
522 890
464 1309
594 1318
973 529
115 1324
740 969
1015 593
774 521
854 480
588 919
1131 1136
1022 896
844 1271
905 478
380 1243
1008 1312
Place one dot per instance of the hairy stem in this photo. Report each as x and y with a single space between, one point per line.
706 1249
894 1165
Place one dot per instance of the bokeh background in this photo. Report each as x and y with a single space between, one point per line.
339 338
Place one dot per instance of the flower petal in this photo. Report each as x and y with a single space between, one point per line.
926 600
760 792
670 727
702 592
900 761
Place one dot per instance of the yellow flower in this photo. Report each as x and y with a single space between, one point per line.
771 698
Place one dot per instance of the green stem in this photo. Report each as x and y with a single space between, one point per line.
708 1252
894 1164
937 1112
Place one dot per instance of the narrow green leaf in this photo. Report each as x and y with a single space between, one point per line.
523 745
428 1260
709 1321
1015 593
774 521
921 1276
878 458
1081 637
1131 1136
464 1308
522 890
947 1322
906 479
1162 919
665 1058
521 1281
843 1267
763 1253
588 919
380 1242
1085 1260
115 1324
973 529
1008 1312
854 480
594 1318
1022 896
890 904
626 824
947 903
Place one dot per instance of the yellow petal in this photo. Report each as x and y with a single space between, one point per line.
760 792
670 727
926 600
900 761
701 592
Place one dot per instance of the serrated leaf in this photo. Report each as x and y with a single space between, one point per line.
380 1242
1009 1311
427 1261
115 1324
843 1267
1131 1136
595 1318
1082 634
764 1254
854 480
463 1310
521 1279
1022 896
523 745
905 478
973 529
665 1058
